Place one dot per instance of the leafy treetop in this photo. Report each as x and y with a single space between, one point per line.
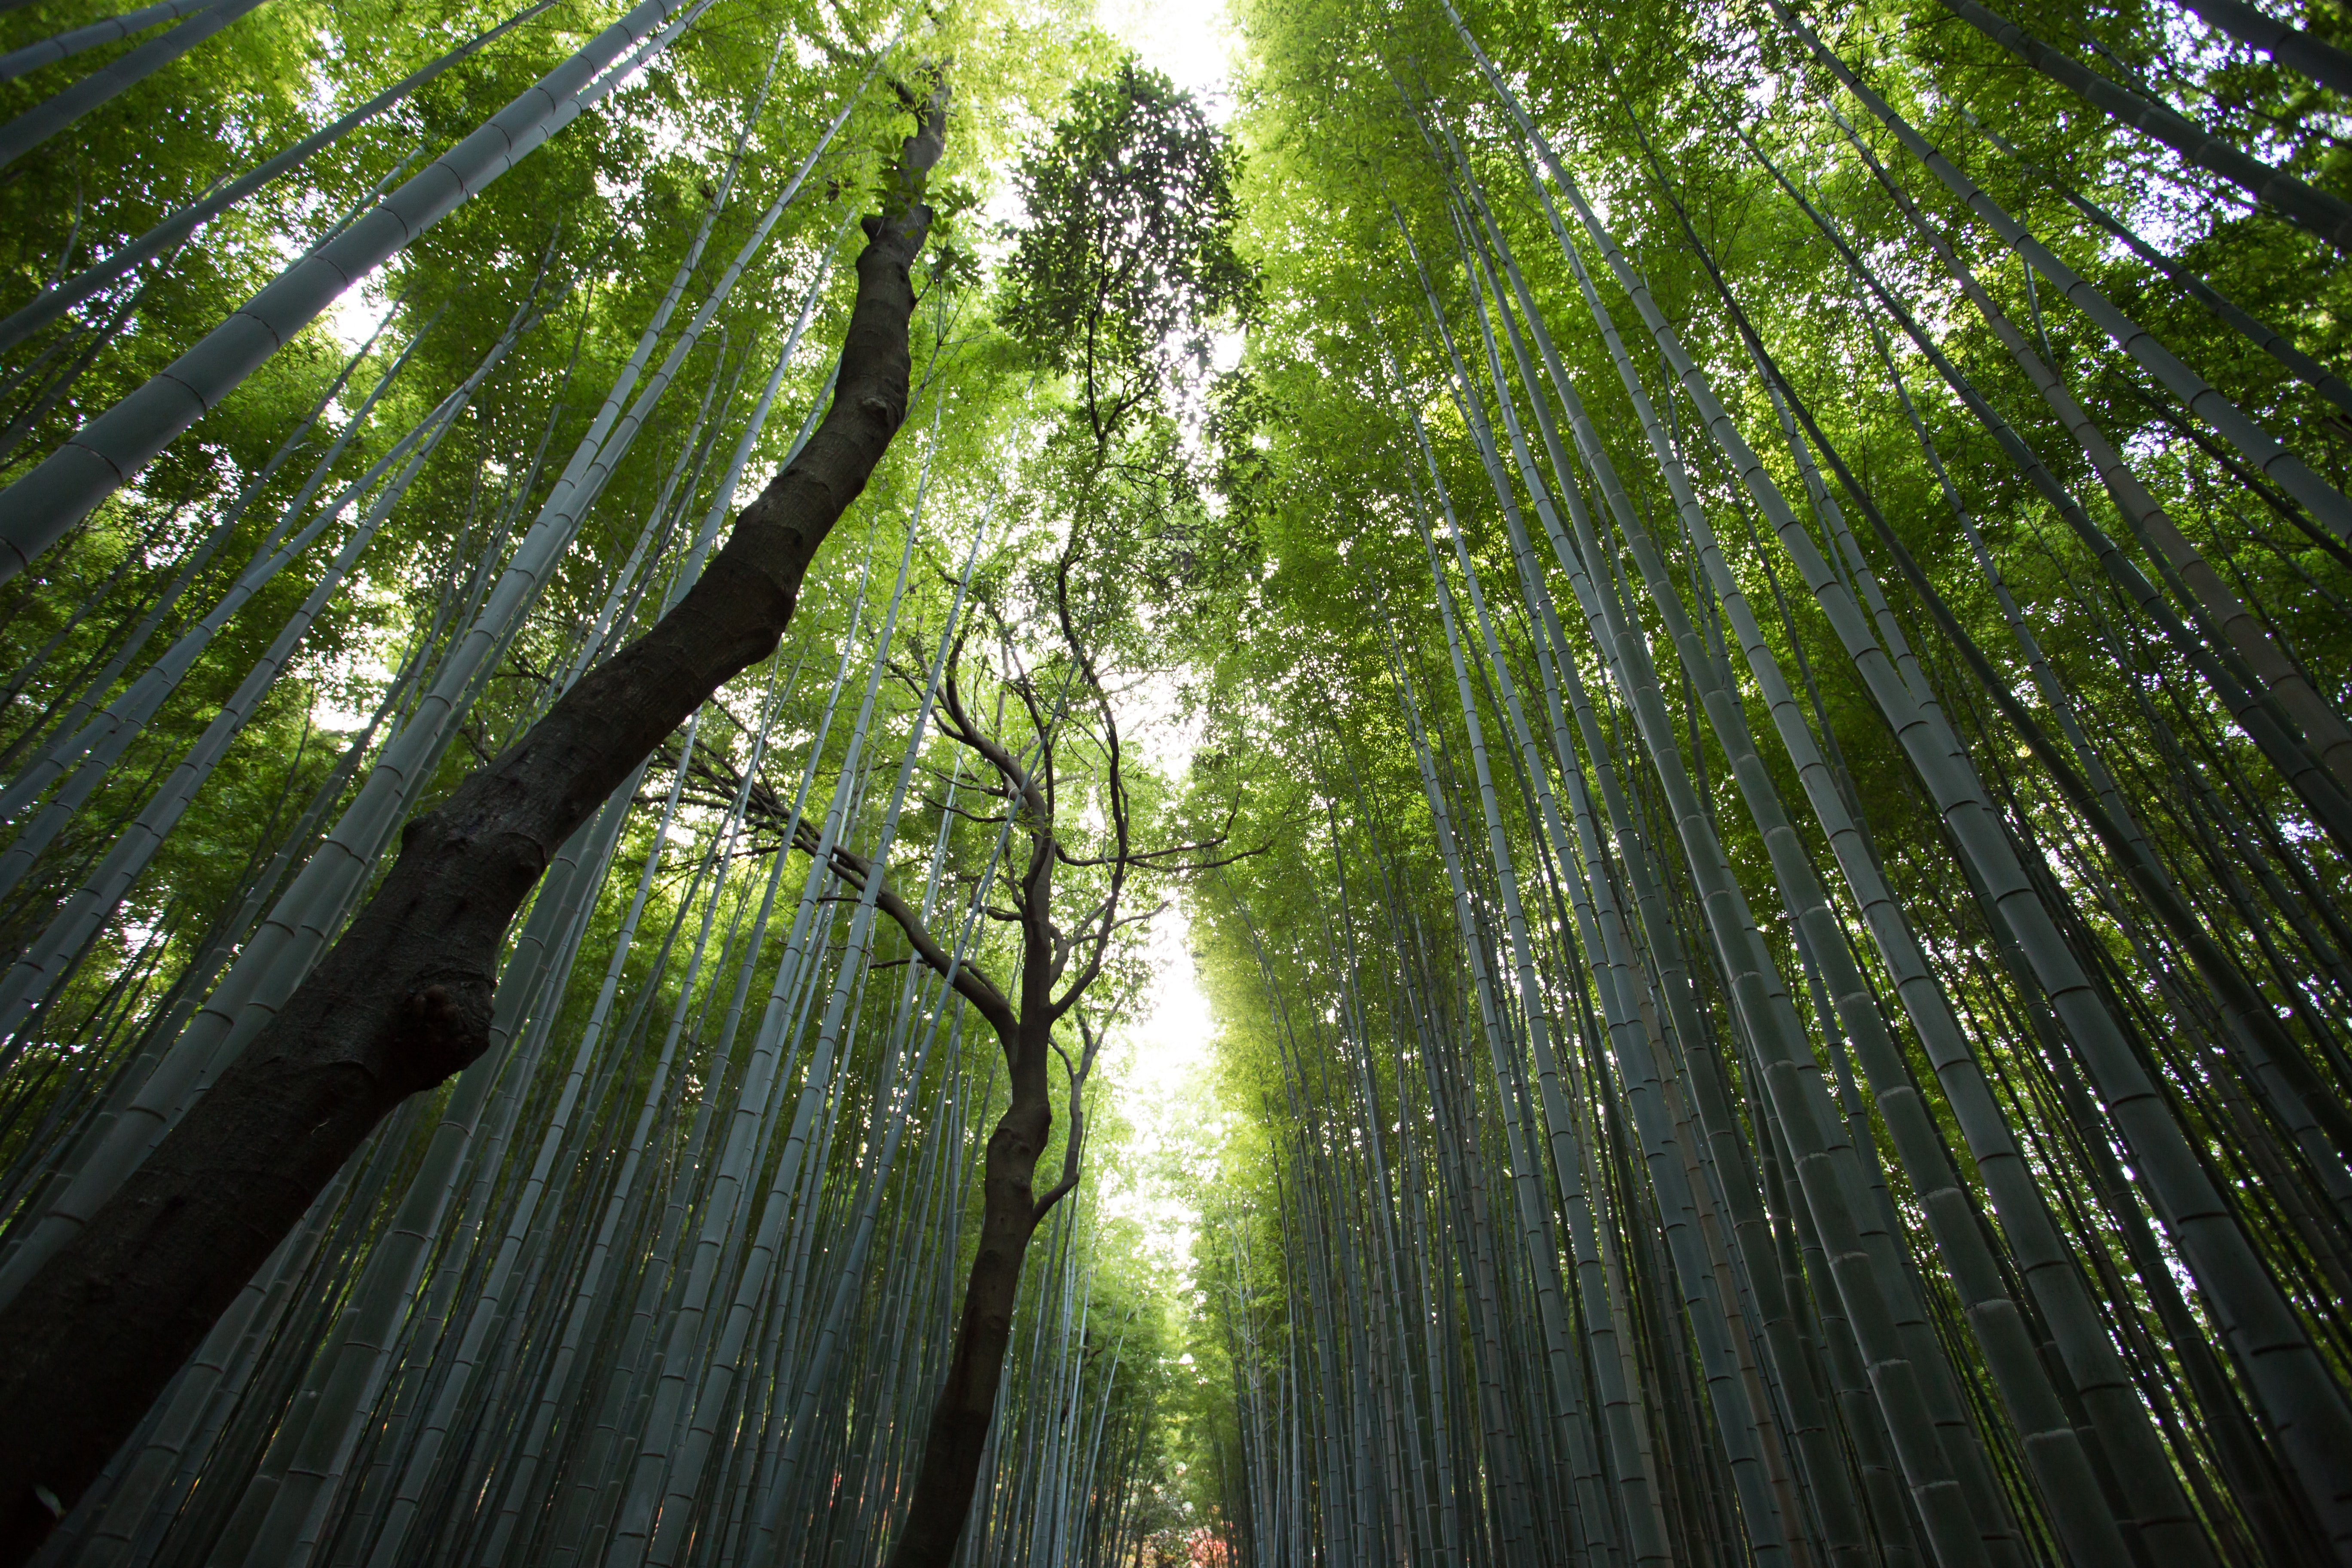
1127 262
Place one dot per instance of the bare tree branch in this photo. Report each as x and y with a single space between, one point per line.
1074 1146
969 983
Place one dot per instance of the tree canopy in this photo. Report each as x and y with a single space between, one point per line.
1719 635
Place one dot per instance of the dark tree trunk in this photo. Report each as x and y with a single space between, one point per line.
958 1433
404 1000
1011 1209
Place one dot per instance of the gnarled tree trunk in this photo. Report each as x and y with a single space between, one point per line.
404 1000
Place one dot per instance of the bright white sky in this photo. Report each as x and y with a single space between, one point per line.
1191 40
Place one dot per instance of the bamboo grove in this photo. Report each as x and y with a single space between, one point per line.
1726 626
1806 1025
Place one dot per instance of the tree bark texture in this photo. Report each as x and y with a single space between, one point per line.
957 1436
404 1000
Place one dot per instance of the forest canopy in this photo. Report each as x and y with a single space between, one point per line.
643 649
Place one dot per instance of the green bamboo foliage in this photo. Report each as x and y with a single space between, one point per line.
1857 1191
647 1283
1764 614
